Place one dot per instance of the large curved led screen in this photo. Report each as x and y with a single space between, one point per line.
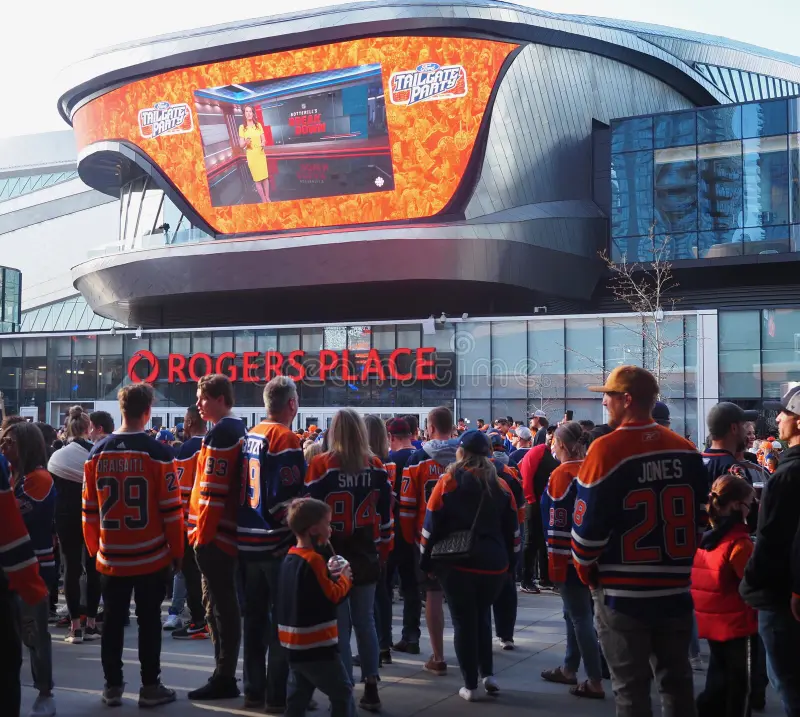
371 130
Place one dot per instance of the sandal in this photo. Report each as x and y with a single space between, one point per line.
557 675
584 689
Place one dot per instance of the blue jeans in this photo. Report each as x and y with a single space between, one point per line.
781 635
694 645
505 609
357 613
581 637
329 677
178 594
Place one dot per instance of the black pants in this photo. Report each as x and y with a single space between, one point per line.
69 528
266 664
10 652
148 594
403 561
194 587
727 690
505 609
470 597
534 550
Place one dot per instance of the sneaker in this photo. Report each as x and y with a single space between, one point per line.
313 706
385 658
697 663
412 648
63 611
74 636
101 613
490 685
173 622
43 706
549 587
252 702
154 695
112 696
64 621
467 694
192 631
275 709
507 644
217 688
435 668
91 633
529 588
370 701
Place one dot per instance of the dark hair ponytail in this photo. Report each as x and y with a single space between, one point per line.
727 489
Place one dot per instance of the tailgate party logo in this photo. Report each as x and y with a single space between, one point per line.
428 82
164 118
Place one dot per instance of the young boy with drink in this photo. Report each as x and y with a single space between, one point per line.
307 627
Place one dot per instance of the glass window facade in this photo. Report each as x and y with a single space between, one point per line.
11 187
718 182
10 299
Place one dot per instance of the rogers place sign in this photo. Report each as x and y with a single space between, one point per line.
255 366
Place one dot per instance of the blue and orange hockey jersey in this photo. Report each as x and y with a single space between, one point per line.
453 506
558 504
17 561
186 465
638 513
275 470
361 503
217 487
36 498
132 512
421 473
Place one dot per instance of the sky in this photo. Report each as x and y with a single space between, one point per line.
42 38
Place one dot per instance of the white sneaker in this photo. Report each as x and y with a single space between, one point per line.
490 685
469 695
43 707
697 663
507 644
173 622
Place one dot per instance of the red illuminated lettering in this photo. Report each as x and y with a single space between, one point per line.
176 366
394 372
328 360
233 370
373 367
148 356
297 365
249 369
194 360
423 363
347 374
273 362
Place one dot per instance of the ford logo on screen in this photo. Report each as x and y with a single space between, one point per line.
428 67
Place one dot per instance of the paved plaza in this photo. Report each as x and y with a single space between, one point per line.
405 688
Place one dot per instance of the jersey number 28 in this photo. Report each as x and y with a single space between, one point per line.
675 506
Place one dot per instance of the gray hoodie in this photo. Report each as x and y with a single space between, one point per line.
443 452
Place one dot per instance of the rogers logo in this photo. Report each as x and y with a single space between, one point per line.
430 81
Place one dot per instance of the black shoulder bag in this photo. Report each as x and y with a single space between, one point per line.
459 545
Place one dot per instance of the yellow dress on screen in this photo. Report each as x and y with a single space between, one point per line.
256 159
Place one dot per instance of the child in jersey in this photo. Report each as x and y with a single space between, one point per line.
723 618
307 612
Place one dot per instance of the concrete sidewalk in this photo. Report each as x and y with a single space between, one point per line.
405 688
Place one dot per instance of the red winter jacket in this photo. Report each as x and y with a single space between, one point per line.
722 615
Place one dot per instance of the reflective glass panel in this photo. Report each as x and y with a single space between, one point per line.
632 134
780 350
584 356
766 240
739 354
712 245
794 178
763 119
719 124
719 187
623 342
675 130
675 190
631 193
766 181
546 360
509 359
794 114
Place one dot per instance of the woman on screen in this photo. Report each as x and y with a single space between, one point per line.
251 139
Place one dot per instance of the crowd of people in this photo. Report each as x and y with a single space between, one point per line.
283 543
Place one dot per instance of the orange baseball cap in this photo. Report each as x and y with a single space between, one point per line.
635 380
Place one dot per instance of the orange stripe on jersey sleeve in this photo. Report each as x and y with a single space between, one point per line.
335 590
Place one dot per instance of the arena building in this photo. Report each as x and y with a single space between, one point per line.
402 205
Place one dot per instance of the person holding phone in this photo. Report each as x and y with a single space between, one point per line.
251 139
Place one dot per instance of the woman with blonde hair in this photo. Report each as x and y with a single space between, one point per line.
354 483
470 540
66 467
570 442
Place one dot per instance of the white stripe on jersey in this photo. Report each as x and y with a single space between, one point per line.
653 568
645 593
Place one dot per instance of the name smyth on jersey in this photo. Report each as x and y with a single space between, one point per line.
665 469
355 480
133 465
164 119
429 81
